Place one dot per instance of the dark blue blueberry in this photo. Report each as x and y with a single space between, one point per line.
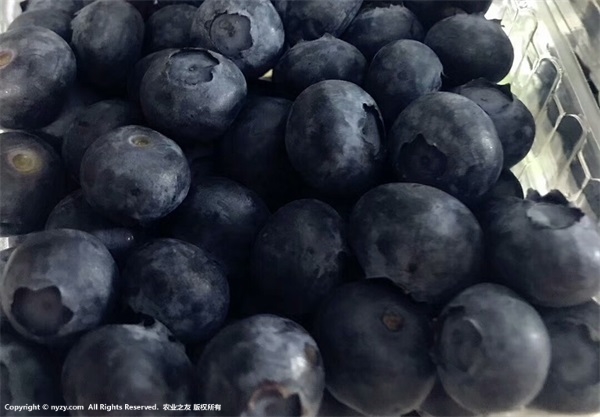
573 383
334 137
107 39
69 6
203 160
192 95
128 364
253 149
330 407
375 344
424 240
28 376
439 404
57 284
57 20
310 19
446 141
401 72
32 180
489 55
134 81
261 366
299 256
430 12
91 123
326 58
375 27
493 350
513 121
178 284
250 33
134 175
169 27
545 249
33 53
508 185
73 212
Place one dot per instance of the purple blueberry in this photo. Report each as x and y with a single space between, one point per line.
263 365
375 27
178 284
134 175
57 20
326 58
334 137
445 140
32 180
128 364
493 350
375 344
401 72
513 121
107 39
424 240
169 27
250 33
192 95
545 249
33 53
57 284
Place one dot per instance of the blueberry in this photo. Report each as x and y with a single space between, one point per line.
439 404
73 212
508 185
253 149
545 249
493 350
310 19
56 284
32 179
169 27
401 72
330 407
68 6
373 28
223 218
130 364
513 121
57 20
28 376
375 344
334 137
424 240
430 12
192 95
134 81
250 33
203 160
107 39
573 383
178 284
134 175
446 141
263 365
91 123
33 53
300 255
489 55
326 58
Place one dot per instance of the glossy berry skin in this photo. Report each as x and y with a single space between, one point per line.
32 179
535 243
572 386
493 350
375 344
334 138
247 369
424 240
192 95
446 141
107 39
169 27
28 53
51 301
132 364
250 33
178 284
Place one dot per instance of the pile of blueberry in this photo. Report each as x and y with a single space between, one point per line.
341 236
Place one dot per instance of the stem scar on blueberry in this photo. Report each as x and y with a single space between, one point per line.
272 399
140 141
392 320
6 58
25 162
